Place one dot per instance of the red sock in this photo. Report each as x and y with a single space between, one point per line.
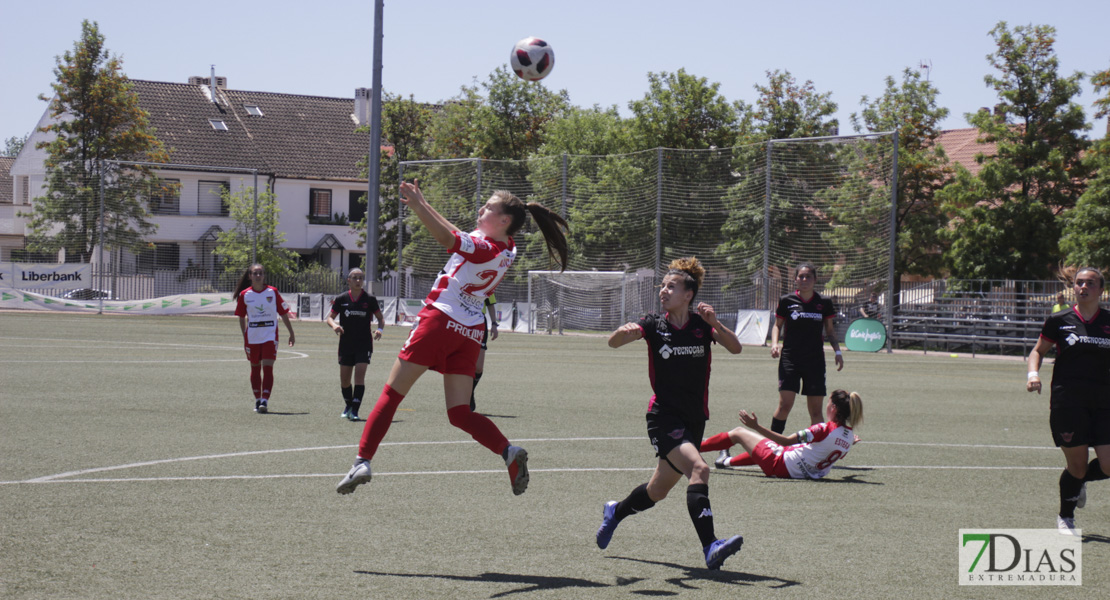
742 460
267 381
256 380
479 427
720 441
378 421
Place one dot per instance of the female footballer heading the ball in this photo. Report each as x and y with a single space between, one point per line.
258 307
679 344
807 454
1079 406
804 314
449 331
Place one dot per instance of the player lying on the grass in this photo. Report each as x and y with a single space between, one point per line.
807 454
448 333
1079 407
679 343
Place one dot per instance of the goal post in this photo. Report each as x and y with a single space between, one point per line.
587 301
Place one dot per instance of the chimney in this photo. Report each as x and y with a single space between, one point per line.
362 106
212 84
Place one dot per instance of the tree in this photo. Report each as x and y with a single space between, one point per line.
787 109
13 145
97 118
254 229
910 108
1005 218
684 111
1086 237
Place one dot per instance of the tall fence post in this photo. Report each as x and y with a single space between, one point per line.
893 242
658 215
100 241
400 235
254 228
767 230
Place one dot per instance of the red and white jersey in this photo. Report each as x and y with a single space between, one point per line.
262 310
820 446
476 266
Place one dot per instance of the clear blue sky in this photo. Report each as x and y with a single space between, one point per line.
603 48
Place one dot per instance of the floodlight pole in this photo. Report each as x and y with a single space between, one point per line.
374 163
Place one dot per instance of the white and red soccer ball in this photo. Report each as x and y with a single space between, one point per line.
532 59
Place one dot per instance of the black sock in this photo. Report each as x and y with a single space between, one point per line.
778 425
637 501
356 397
477 378
697 502
346 396
1069 494
1094 471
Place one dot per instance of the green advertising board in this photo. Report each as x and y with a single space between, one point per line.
865 335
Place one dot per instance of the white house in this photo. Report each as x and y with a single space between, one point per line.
305 149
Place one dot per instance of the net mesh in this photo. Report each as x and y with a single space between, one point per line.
750 214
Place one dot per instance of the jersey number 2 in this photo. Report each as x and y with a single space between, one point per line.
486 279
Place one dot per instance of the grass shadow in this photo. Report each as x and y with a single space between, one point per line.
528 583
694 574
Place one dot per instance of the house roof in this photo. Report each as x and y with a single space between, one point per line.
7 193
962 145
299 137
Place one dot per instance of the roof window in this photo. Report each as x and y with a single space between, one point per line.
252 110
218 125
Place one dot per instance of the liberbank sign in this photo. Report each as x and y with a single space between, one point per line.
39 276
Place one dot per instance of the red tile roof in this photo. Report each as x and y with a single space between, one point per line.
962 146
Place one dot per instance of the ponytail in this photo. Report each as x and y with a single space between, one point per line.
553 227
245 280
849 408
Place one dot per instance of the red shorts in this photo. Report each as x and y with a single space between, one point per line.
769 457
261 352
443 344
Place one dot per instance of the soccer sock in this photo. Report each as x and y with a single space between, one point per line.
778 425
721 441
346 395
1094 471
477 378
697 502
356 397
267 381
1069 494
377 424
741 460
256 381
479 427
636 502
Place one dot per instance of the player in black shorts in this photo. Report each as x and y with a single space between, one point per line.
350 320
1079 406
489 309
679 354
804 315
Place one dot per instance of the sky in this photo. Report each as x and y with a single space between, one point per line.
604 49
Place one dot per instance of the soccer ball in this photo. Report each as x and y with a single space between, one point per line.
532 59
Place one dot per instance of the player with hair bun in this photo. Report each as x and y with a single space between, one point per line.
448 334
1079 406
807 454
679 352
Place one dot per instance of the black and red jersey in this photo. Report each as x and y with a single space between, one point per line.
805 325
1082 348
355 315
678 365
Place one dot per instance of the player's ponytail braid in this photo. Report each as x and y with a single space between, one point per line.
690 270
553 226
849 408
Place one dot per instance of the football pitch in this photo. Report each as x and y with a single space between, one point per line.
133 466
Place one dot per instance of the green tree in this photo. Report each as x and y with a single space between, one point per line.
254 228
13 145
97 118
788 109
910 108
1005 223
684 111
1086 237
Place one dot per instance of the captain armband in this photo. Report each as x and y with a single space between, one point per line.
804 436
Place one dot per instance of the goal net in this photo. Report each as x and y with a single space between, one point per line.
587 300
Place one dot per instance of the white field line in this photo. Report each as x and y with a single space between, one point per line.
75 476
147 345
